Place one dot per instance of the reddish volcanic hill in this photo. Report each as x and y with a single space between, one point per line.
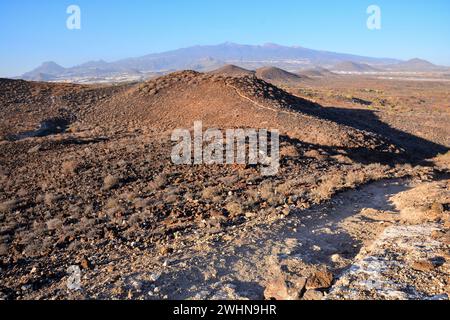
232 71
179 99
176 101
279 76
25 104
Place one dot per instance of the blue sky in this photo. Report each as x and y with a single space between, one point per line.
33 31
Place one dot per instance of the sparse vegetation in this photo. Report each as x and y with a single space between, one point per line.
107 189
70 167
3 249
234 208
8 206
110 182
54 224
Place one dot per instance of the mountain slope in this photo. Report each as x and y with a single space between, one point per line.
418 65
204 58
278 76
46 70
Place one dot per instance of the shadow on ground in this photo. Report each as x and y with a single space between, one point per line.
319 234
417 148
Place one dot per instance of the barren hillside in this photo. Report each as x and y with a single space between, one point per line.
86 177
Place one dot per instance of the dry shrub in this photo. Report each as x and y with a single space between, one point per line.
210 193
39 198
328 187
437 208
74 246
22 192
113 205
234 208
3 249
375 171
129 196
141 203
110 182
343 159
269 193
54 224
33 249
159 182
442 159
70 167
39 227
229 180
8 206
354 178
285 188
252 198
135 219
88 209
171 198
266 190
75 211
51 198
85 224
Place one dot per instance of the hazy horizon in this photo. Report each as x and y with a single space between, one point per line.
36 32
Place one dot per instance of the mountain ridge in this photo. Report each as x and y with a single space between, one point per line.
209 57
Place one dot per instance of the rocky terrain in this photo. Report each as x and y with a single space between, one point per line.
86 180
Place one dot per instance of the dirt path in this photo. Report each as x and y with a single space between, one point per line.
377 242
334 235
257 104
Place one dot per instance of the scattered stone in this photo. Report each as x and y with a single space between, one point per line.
26 287
313 295
155 276
34 149
164 251
336 258
320 280
279 289
86 264
423 266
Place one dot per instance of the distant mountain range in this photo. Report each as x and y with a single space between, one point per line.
206 58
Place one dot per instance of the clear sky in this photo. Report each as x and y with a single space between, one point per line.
34 31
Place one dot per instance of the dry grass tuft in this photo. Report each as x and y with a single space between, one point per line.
51 198
8 206
234 208
70 167
110 182
211 193
159 182
54 224
3 249
327 187
269 193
